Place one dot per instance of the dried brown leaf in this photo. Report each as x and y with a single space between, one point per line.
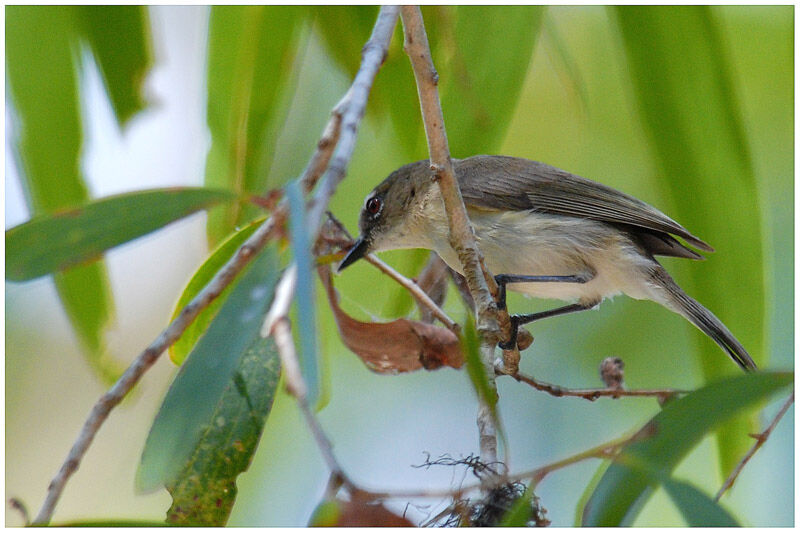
394 347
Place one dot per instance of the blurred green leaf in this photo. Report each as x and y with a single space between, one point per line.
520 513
181 348
250 80
489 55
687 99
470 346
667 438
697 508
304 291
470 343
120 40
54 242
326 514
212 416
47 132
345 30
400 302
112 523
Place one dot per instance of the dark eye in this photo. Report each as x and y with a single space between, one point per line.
374 205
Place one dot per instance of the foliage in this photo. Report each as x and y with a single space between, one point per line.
679 78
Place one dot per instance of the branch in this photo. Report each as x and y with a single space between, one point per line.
410 285
593 394
345 116
347 113
149 356
761 438
462 237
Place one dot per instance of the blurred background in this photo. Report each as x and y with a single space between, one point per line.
577 110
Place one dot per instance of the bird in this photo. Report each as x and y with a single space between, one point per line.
546 233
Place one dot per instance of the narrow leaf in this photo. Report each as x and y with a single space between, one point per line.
687 99
57 241
345 30
477 372
489 57
47 138
520 513
668 437
180 350
217 404
304 291
205 491
250 52
697 508
120 40
470 345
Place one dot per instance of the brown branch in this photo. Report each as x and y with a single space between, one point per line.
592 394
416 291
345 117
148 357
281 330
761 438
462 237
410 285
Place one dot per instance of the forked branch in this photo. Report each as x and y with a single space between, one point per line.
345 116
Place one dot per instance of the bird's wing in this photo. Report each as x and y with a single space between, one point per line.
499 182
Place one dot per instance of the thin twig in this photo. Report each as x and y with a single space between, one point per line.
593 394
409 284
148 357
462 236
416 291
346 116
282 333
348 113
761 438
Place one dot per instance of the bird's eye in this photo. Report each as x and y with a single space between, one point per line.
374 205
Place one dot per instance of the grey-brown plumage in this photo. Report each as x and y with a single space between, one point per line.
532 219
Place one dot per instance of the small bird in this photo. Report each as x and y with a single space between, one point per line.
545 232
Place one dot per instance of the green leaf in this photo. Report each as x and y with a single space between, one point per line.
326 514
55 242
668 437
687 99
489 54
520 513
47 137
470 345
304 292
477 372
212 416
697 508
181 348
120 40
110 522
396 90
88 314
345 30
250 80
204 493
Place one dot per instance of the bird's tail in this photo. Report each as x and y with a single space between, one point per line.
673 297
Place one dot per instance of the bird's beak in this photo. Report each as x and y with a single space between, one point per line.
358 251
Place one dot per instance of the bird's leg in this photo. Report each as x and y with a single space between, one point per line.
503 279
518 320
